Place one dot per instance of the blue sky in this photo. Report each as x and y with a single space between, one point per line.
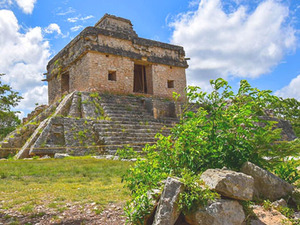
257 40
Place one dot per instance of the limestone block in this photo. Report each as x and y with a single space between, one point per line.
88 109
268 217
220 212
229 183
60 155
266 184
279 203
167 211
75 109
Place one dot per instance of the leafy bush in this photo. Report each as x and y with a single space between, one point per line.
287 170
288 109
195 194
223 129
126 153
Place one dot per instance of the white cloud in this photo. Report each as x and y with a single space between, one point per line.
76 28
5 3
36 95
53 27
68 11
77 18
193 3
73 19
236 44
26 5
23 58
292 90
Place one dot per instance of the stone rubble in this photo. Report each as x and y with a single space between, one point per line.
221 211
234 188
229 183
266 184
60 155
167 210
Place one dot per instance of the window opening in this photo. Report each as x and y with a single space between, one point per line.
170 83
112 75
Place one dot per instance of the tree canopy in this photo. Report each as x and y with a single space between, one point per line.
8 118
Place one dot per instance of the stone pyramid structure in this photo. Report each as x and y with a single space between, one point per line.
83 123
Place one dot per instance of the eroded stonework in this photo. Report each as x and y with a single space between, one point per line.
84 123
110 57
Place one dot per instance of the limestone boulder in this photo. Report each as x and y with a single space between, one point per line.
266 184
60 155
229 183
220 212
279 203
167 211
268 217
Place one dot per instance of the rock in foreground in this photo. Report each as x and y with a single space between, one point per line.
229 183
167 210
220 212
266 184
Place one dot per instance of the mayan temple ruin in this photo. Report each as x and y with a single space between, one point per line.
108 88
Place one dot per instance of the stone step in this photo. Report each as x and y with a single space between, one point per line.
122 141
118 123
124 111
116 135
131 131
128 114
137 119
128 142
121 102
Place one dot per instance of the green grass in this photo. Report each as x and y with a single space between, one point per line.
55 182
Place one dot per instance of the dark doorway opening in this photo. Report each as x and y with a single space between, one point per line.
140 82
65 79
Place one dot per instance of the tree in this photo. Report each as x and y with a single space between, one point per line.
8 118
227 130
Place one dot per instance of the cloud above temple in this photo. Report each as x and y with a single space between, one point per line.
292 90
233 43
23 58
26 6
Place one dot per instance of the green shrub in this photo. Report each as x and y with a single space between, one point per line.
195 193
287 170
126 153
226 130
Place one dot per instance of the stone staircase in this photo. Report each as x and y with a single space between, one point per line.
89 123
130 123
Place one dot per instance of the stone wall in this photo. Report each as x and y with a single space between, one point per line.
162 74
100 65
113 46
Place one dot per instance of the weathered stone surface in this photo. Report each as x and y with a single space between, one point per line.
113 121
229 183
279 203
266 184
60 155
220 212
268 217
167 211
297 216
75 109
112 46
296 196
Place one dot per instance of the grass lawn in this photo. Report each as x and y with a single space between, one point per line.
26 184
